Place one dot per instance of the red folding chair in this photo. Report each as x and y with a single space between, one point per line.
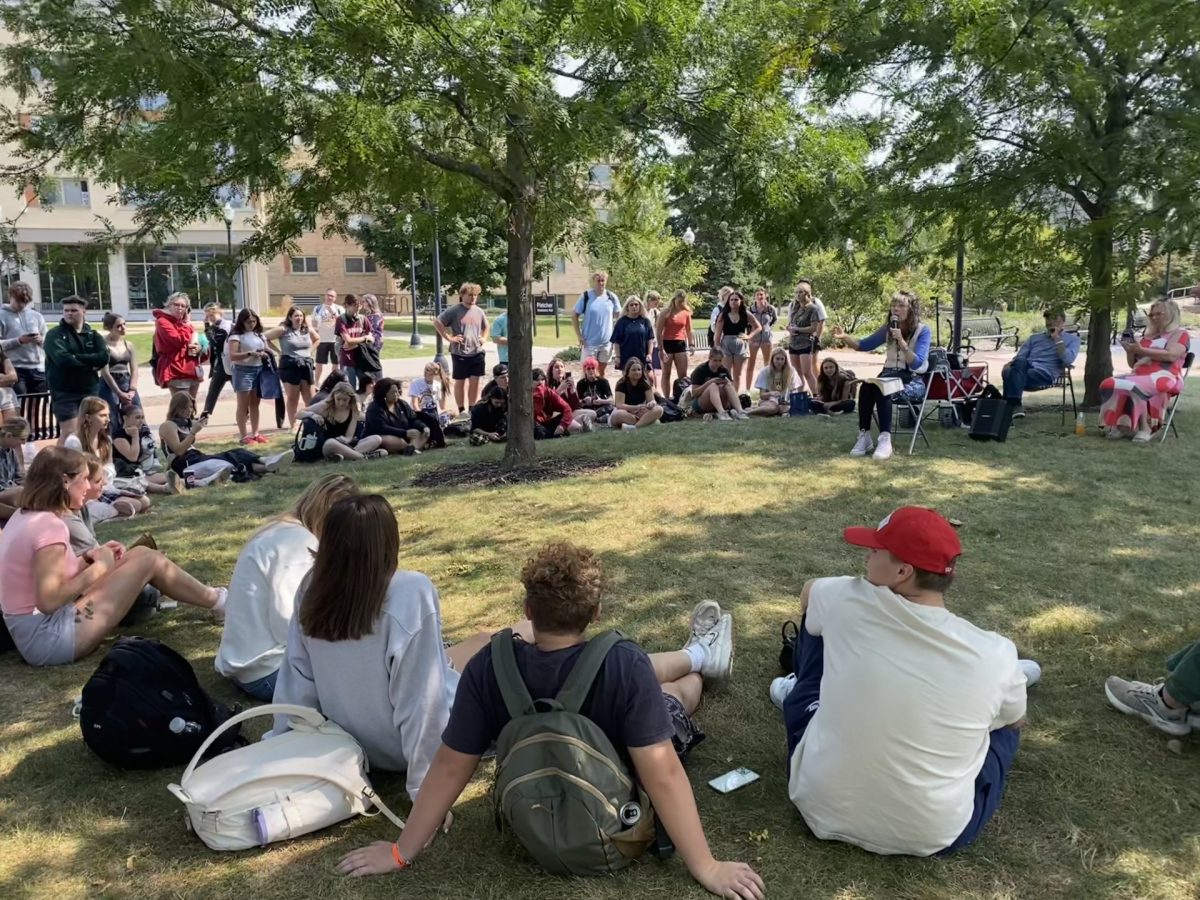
943 387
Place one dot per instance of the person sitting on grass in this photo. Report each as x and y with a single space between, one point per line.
1168 705
775 382
92 436
643 704
262 589
58 606
332 380
489 418
13 435
563 382
634 405
902 748
179 435
135 457
431 392
595 393
1041 361
330 430
399 430
499 379
365 646
835 390
552 415
713 391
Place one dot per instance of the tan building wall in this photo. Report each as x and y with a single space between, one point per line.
331 254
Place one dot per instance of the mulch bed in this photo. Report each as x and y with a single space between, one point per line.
488 474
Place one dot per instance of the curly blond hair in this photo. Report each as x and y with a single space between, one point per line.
564 584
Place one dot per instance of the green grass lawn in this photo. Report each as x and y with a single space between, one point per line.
1081 550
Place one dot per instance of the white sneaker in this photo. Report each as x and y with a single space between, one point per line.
780 688
863 445
738 413
273 461
586 425
1033 672
723 416
628 427
884 449
715 634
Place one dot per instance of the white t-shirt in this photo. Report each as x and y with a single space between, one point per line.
325 318
760 381
908 696
418 388
821 314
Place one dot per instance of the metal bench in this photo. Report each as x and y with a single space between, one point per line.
985 329
700 340
36 410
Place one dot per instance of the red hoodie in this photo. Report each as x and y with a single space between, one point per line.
171 339
547 402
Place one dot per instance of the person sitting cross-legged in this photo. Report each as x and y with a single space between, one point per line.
642 703
902 718
489 418
713 390
552 414
1167 705
1041 360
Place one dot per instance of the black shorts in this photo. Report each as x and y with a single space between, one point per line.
463 367
30 381
66 406
674 346
294 370
802 351
326 353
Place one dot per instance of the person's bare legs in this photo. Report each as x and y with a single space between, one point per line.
754 347
674 672
688 690
292 394
369 444
797 366
335 449
460 386
710 398
107 601
306 392
9 498
729 392
460 654
650 417
392 444
242 412
807 374
765 408
253 400
472 390
619 417
736 369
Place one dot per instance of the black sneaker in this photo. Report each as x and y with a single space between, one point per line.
1018 412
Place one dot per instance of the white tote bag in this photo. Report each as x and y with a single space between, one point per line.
306 779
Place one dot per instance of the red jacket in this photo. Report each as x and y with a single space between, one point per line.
171 339
546 403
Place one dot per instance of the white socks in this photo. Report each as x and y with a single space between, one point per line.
222 596
697 654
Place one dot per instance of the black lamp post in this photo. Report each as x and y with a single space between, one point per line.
415 340
227 212
440 357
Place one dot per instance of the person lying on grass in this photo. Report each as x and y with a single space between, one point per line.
902 718
643 703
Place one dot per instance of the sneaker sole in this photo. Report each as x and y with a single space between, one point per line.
703 604
1175 730
722 669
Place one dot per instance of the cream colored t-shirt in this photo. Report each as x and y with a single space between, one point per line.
908 696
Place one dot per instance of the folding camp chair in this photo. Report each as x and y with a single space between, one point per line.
1173 403
944 387
1067 383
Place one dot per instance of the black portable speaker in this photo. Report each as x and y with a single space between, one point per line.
991 420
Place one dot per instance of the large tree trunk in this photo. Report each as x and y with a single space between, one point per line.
518 278
1099 355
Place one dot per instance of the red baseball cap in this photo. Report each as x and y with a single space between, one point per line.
912 534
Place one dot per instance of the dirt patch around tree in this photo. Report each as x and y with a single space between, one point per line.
489 474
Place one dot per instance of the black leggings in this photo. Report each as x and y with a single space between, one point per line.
871 399
832 406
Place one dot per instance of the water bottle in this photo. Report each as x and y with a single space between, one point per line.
30 452
630 813
1080 425
182 726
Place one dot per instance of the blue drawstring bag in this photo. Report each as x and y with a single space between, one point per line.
800 403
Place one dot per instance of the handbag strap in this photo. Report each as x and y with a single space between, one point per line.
308 714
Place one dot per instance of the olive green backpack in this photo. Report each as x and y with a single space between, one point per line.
560 784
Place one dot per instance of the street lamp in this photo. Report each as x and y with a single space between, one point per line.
227 213
689 236
415 340
439 357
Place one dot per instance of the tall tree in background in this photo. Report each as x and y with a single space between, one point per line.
321 105
1039 106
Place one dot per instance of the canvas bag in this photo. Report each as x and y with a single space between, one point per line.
560 784
313 776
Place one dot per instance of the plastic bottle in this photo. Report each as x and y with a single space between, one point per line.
182 726
1080 425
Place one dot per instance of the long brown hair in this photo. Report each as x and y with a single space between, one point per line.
94 437
355 563
45 488
312 507
912 322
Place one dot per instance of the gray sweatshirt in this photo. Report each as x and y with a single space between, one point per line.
13 324
392 690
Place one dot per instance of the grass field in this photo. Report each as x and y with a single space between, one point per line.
1082 551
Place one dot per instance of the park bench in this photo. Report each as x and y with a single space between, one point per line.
700 340
985 329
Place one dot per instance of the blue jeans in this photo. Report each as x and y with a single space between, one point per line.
352 375
263 689
1020 377
805 699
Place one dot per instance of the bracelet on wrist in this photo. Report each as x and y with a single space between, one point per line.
401 862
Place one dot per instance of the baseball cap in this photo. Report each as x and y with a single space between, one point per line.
912 534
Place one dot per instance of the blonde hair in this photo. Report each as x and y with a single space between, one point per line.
632 299
16 427
651 296
94 438
1174 318
441 376
471 288
313 505
679 300
778 380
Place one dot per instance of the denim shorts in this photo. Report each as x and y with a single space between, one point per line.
245 378
45 640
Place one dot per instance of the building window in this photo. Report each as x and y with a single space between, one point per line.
560 263
360 265
235 195
304 265
65 192
65 270
205 272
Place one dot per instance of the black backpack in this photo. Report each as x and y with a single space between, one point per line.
143 708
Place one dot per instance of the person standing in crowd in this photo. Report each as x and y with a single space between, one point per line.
907 342
835 390
633 335
22 334
499 332
58 606
804 329
247 350
593 320
822 316
400 431
722 294
324 319
216 329
118 379
775 383
634 405
653 311
563 382
767 315
268 573
75 354
295 340
897 699
352 330
465 327
177 346
370 309
1041 361
674 334
735 329
551 413
713 390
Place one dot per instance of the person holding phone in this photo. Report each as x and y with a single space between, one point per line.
1041 360
1134 405
22 333
634 405
713 392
